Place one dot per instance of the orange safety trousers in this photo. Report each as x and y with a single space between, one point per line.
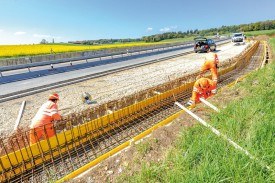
211 60
210 65
40 133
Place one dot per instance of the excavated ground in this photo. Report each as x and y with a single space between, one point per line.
111 87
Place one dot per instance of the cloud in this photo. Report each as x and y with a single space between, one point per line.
19 33
168 29
165 29
42 36
57 37
46 36
1 30
149 29
174 27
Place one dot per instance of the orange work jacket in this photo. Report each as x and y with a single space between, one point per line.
198 92
47 113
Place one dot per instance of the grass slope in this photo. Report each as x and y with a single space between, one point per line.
201 156
261 32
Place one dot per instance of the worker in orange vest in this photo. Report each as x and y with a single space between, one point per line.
203 88
41 126
210 63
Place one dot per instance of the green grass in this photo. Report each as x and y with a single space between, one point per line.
143 148
272 43
201 156
261 32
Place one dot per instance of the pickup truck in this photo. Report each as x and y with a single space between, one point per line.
238 38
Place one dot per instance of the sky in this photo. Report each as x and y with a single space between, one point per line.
30 21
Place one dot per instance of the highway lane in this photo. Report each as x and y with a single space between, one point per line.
13 69
45 67
15 75
61 74
37 66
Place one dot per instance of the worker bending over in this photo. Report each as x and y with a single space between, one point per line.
211 63
42 122
203 87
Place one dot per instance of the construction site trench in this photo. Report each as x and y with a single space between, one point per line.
109 88
84 137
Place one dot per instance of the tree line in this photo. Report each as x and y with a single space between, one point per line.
106 41
264 25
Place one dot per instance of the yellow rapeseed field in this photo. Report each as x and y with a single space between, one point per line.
39 49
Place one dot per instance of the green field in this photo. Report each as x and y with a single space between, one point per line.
262 32
201 156
272 43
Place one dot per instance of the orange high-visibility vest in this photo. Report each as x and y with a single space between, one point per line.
47 113
41 126
198 92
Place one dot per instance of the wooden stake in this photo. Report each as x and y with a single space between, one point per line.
19 115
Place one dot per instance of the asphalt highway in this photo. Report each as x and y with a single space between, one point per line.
24 80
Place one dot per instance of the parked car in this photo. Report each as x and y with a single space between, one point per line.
203 45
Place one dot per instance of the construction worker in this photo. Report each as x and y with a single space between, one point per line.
203 87
210 63
41 126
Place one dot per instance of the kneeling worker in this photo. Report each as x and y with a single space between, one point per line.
42 122
203 87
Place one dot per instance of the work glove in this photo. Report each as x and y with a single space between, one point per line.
189 103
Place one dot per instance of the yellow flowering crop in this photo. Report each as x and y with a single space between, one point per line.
39 49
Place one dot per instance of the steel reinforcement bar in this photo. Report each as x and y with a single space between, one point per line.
84 137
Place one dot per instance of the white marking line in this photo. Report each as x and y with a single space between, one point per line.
220 134
209 104
23 83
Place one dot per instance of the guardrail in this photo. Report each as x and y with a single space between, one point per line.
100 55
